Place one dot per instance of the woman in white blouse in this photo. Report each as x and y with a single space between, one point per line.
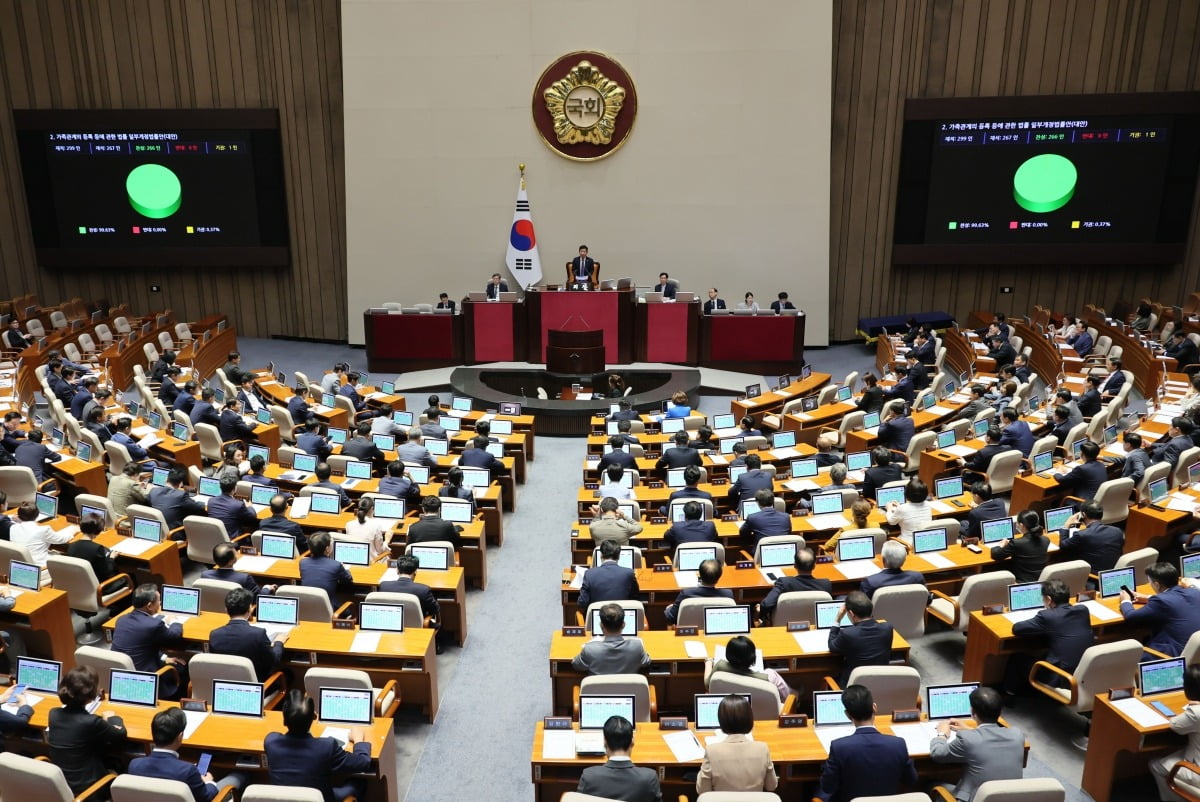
915 513
366 527
1186 723
749 303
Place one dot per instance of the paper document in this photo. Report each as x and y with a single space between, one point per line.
365 642
802 485
341 734
959 450
149 441
937 409
1114 450
132 546
858 569
916 735
1022 615
801 415
829 734
390 575
684 746
942 507
194 720
814 641
831 521
686 579
718 459
300 507
256 564
142 431
1142 714
696 649
558 745
938 560
1099 611
1181 502
785 453
577 580
856 477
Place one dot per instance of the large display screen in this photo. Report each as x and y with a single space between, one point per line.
1047 179
154 188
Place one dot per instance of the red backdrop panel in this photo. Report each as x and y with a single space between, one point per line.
761 339
582 311
494 332
667 332
413 336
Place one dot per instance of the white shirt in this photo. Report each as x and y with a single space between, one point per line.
37 538
911 517
615 490
369 531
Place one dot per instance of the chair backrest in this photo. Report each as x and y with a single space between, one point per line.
25 778
682 547
77 578
851 380
164 340
281 793
131 788
982 589
12 551
35 328
90 500
1036 789
1104 666
183 332
1003 469
635 684
892 687
320 676
1043 444
691 611
314 602
764 696
1113 496
118 457
770 540
411 604
72 352
103 661
1153 473
1073 572
903 606
182 417
731 796
213 593
626 604
920 442
19 483
210 442
146 511
104 333
1189 457
827 394
1139 560
1191 649
445 544
915 796
204 668
203 533
799 605
283 419
151 352
342 402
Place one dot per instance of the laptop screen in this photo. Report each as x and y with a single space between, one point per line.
402 418
262 494
419 473
1057 518
495 449
979 428
727 620
997 529
886 495
357 469
672 425
258 451
844 393
870 420
706 706
387 442
858 460
388 387
147 529
327 503
278 610
783 440
338 435
1158 490
1043 461
155 420
345 705
47 505
178 599
458 513
24 575
949 701
460 403
83 451
753 390
1189 566
390 508
1110 434
736 471
1025 596
281 547
928 540
438 448
179 431
1161 676
773 555
39 675
351 553
237 698
510 408
624 558
263 415
594 710
208 487
1076 449
725 421
725 444
133 687
629 628
87 512
482 477
748 508
945 439
677 510
803 468
827 613
828 503
431 558
675 477
327 400
927 401
1112 580
689 559
380 617
828 709
855 548
305 463
450 424
950 487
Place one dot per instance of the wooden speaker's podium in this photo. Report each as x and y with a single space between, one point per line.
575 352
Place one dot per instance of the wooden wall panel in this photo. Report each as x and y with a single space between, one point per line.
885 52
283 54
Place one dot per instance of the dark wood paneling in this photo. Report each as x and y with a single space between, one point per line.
283 54
884 52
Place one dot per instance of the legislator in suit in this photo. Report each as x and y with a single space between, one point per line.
987 510
242 639
690 531
767 521
619 779
233 426
738 763
165 764
142 636
614 654
866 763
79 741
866 643
1173 614
1068 632
304 761
175 505
665 286
406 584
480 458
31 454
1098 543
495 287
890 577
991 752
582 269
1084 479
750 483
1026 556
318 570
607 581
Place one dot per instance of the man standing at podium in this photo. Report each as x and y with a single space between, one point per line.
581 268
495 287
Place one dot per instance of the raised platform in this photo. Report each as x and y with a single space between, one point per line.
569 417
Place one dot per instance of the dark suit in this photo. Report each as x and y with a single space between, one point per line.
981 459
866 763
925 354
348 390
902 389
362 448
987 511
95 554
405 584
165 765
1083 344
918 374
679 458
325 573
283 525
427 529
1159 452
175 505
229 575
750 483
867 643
480 458
1017 435
78 741
581 268
168 392
1085 479
877 476
698 592
690 532
776 306
626 414
204 412
891 577
298 408
871 400
308 762
445 305
622 458
896 433
1173 614
1184 353
1068 630
1100 544
78 402
333 488
792 584
233 426
769 521
493 290
63 390
12 439
1004 355
1026 558
315 444
16 340
667 290
34 456
1113 384
136 452
1089 403
142 636
710 305
620 779
607 582
240 639
233 513
184 403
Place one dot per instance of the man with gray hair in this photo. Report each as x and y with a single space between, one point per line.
893 572
413 452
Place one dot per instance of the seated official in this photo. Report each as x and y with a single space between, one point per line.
1015 433
316 441
320 570
405 582
612 487
1090 401
124 436
298 408
1095 541
704 440
1067 630
690 489
893 574
1186 722
31 454
233 369
144 636
748 303
87 390
1084 479
860 513
1136 460
125 488
204 410
14 339
168 391
479 457
397 481
97 423
1026 553
86 548
781 302
866 763
678 456
737 763
332 380
173 501
871 399
624 429
707 577
903 388
234 456
258 472
618 778
445 302
609 523
978 462
826 456
1172 612
296 758
410 450
241 639
974 406
186 401
36 537
581 269
233 426
80 742
897 429
665 286
802 581
767 521
751 482
882 471
608 581
12 431
237 515
279 522
433 428
739 454
985 508
715 301
224 557
163 762
431 525
692 529
323 472
453 487
366 528
915 513
679 407
248 396
625 411
990 751
616 388
1180 441
740 656
1064 398
613 653
350 390
866 642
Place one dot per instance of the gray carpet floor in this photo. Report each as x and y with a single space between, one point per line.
496 687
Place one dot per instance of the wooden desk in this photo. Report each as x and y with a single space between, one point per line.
1119 747
44 622
757 343
161 563
772 402
412 342
85 477
677 677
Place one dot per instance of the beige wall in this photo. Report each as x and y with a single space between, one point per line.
724 180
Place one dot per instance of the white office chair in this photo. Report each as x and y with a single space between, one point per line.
387 698
103 661
314 602
977 591
38 779
626 604
903 606
213 593
86 595
281 793
645 706
205 668
1073 572
691 611
892 687
799 605
130 788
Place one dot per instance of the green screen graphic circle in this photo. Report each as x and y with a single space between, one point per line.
1044 183
154 191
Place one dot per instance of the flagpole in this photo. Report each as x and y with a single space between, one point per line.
521 167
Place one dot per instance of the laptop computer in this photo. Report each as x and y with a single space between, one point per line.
387 442
133 687
675 477
148 529
261 495
510 408
302 466
277 615
178 600
39 675
949 701
1161 676
180 432
25 576
979 428
1189 566
996 530
705 707
858 460
392 509
338 435
783 440
345 705
733 620
691 557
1024 598
871 421
594 711
381 617
828 709
450 423
826 613
1057 518
47 506
419 474
233 698
402 418
209 488
946 439
629 628
258 451
279 546
1157 491
327 503
502 428
776 555
83 451
672 425
828 503
349 552
855 548
436 447
949 487
357 470
432 558
1043 461
803 468
263 416
886 495
676 514
930 540
457 513
736 472
1112 580
482 477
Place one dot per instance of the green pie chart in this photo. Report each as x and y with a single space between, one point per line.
154 191
1044 183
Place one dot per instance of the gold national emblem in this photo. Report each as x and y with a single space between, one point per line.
584 106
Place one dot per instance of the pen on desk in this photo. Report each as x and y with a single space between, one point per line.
696 740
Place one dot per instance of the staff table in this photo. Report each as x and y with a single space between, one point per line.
1120 747
400 343
763 343
43 618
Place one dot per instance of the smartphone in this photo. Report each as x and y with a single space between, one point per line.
17 690
1127 590
974 548
1160 707
202 763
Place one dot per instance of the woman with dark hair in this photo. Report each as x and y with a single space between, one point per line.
872 394
740 656
298 759
1027 553
78 739
1141 321
737 763
366 528
453 487
616 385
